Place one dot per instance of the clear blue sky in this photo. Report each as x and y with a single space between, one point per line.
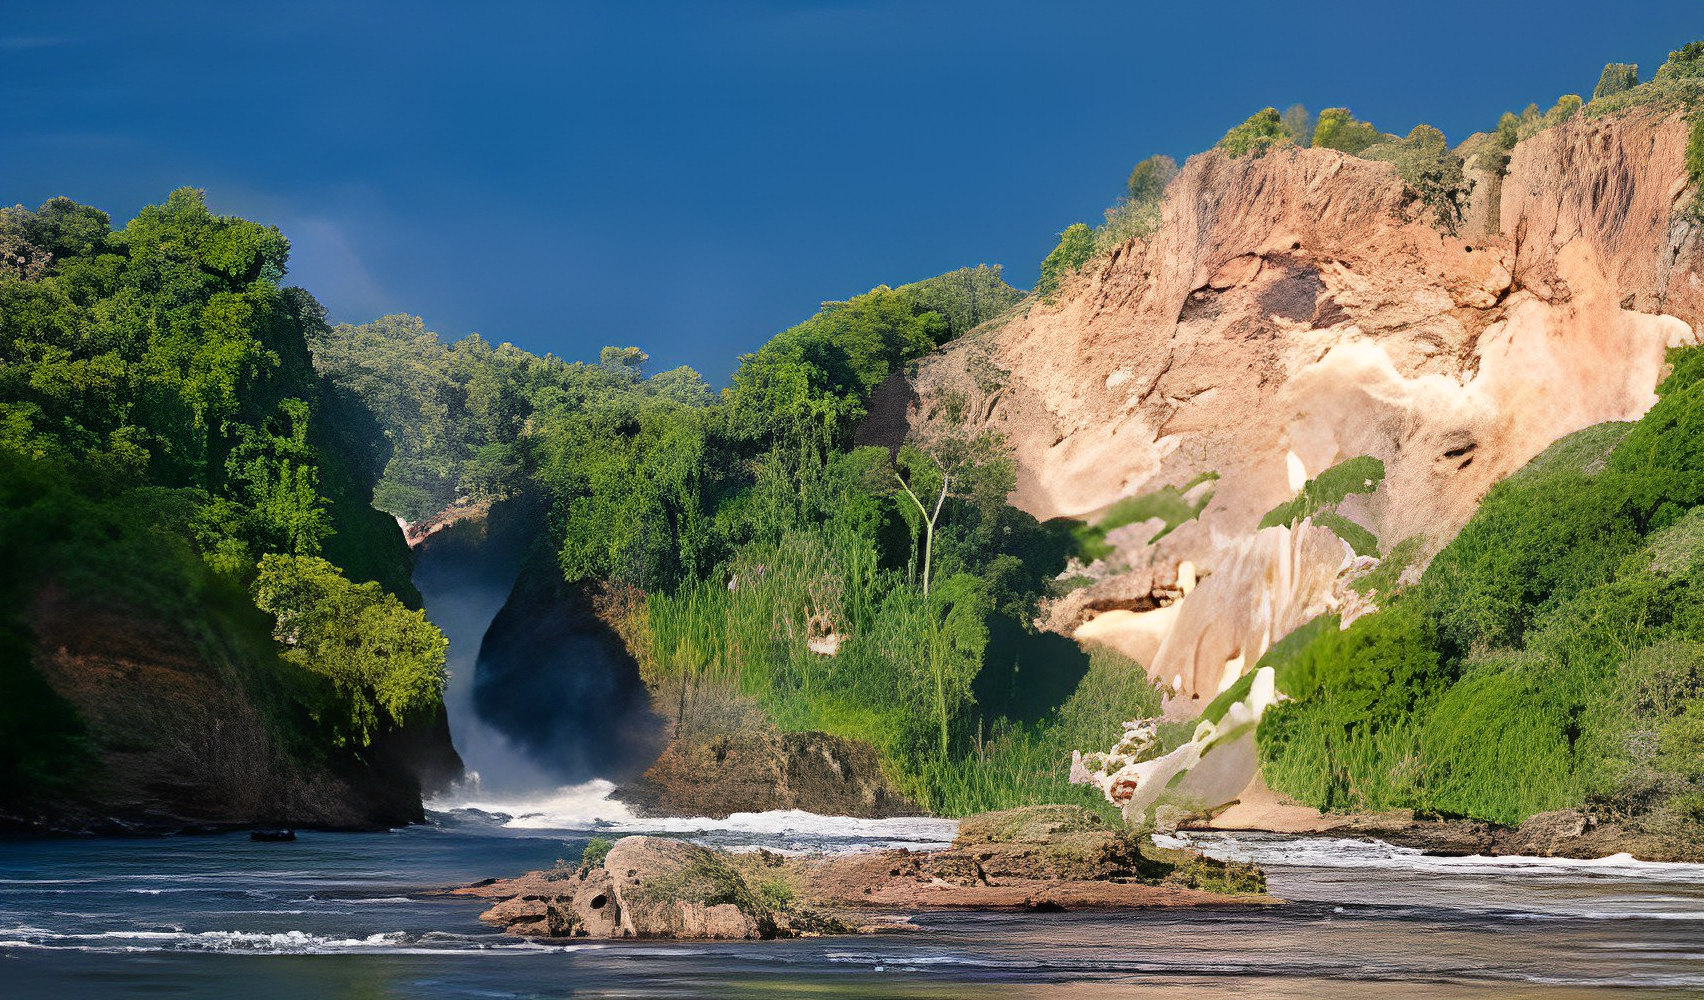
692 177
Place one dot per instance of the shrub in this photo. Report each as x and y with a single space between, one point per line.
1684 62
1431 169
1338 129
1125 221
1076 246
1149 178
1349 740
596 849
1695 150
1263 130
1616 77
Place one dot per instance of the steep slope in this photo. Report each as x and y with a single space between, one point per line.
1300 308
203 620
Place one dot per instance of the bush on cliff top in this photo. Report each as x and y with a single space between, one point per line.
1076 246
1338 129
1264 130
1615 78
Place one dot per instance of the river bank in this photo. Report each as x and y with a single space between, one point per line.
1565 833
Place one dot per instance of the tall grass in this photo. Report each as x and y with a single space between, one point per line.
886 684
1025 765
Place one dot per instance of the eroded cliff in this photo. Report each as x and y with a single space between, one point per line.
1297 309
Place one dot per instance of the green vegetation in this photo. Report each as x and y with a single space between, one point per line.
1686 62
1137 215
1149 178
162 430
1616 77
1171 505
1677 85
1263 131
756 552
1320 496
596 849
1076 246
1025 763
455 413
1338 129
377 654
1547 657
1431 169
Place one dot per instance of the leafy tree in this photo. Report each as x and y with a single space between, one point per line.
1076 246
1263 130
385 662
1432 170
821 371
157 393
1148 179
1340 130
964 298
1616 78
1684 62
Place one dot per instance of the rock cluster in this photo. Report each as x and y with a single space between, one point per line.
1039 859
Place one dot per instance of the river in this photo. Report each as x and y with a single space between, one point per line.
351 915
358 916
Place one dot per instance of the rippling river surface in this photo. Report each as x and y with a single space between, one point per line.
344 915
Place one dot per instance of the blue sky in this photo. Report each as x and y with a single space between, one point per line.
693 177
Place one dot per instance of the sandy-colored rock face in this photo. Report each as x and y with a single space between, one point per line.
1302 304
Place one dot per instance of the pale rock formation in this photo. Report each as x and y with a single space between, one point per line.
1298 309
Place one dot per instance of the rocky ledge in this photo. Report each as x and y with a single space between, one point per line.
1564 833
1039 859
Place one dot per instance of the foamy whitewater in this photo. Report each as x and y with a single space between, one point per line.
220 916
589 808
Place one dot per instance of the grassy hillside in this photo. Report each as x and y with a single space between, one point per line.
1552 655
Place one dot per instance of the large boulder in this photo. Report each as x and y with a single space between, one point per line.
754 768
654 887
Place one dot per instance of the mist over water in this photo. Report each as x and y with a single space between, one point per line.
544 704
464 575
561 686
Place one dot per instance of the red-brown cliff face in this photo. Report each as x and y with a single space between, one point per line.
183 730
1301 308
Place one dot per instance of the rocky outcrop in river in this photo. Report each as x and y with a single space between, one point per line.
1038 859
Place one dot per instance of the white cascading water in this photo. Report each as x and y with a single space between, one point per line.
464 582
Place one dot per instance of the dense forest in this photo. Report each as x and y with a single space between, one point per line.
167 447
750 551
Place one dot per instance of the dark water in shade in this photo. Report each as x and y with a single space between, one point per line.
343 915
